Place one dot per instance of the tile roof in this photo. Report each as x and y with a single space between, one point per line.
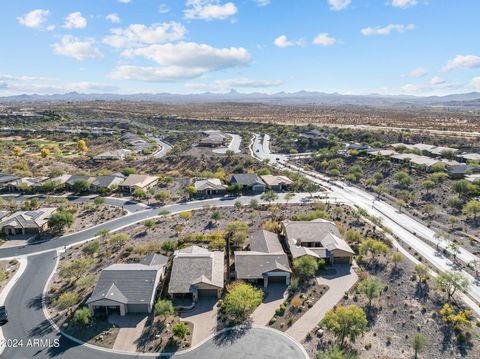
28 219
126 283
194 265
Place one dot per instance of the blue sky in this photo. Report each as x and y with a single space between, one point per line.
349 46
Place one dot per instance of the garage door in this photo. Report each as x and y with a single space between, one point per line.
276 279
207 292
345 260
137 308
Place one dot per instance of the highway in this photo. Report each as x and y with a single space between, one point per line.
406 228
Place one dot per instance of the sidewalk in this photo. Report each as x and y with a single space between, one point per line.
338 284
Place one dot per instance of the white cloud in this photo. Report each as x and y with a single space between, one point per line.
113 17
403 4
324 39
75 20
34 19
462 62
475 83
138 34
282 42
180 61
154 74
192 55
437 80
163 9
263 2
386 30
209 10
338 5
221 85
44 85
72 46
124 1
418 72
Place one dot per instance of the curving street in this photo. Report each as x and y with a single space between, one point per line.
27 321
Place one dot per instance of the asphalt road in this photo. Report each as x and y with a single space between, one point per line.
234 144
27 321
408 229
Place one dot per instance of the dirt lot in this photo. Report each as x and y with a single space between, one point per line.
405 307
7 269
89 215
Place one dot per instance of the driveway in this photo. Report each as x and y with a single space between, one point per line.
275 294
338 284
203 317
234 145
131 328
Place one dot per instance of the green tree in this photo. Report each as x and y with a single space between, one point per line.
118 240
403 179
454 248
99 200
288 197
164 308
472 208
451 282
216 216
180 330
59 220
397 258
428 185
269 196
149 224
162 196
139 194
191 190
241 300
236 232
66 300
373 247
91 247
371 288
346 322
419 342
76 268
82 317
305 267
81 186
336 353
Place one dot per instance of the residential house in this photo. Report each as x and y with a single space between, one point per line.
134 182
5 178
318 238
381 152
214 139
197 272
265 261
105 183
210 187
277 183
26 222
25 183
459 171
73 180
473 178
116 155
441 151
248 182
3 214
128 288
475 157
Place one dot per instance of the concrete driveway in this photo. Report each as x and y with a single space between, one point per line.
338 284
131 329
203 317
275 294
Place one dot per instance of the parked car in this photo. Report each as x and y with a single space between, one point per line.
3 315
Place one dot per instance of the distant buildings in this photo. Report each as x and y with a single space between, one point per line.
117 155
134 182
214 139
209 187
248 182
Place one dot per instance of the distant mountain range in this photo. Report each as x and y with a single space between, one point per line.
466 100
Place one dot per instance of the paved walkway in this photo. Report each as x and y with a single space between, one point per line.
203 317
275 294
338 284
131 328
